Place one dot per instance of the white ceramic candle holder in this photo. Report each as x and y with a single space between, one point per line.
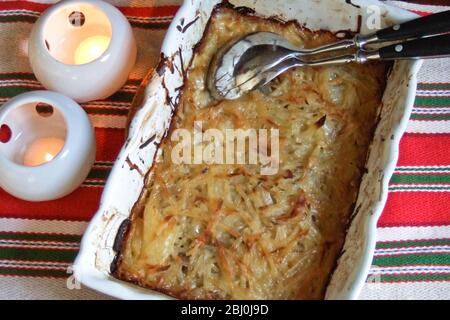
70 34
45 116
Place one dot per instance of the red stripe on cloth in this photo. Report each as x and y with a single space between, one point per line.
20 5
78 206
81 204
424 150
109 143
416 209
420 13
146 12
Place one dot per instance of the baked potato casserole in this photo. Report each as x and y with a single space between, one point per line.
226 231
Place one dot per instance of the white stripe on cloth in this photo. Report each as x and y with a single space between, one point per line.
412 250
42 226
126 3
28 263
433 93
32 288
32 267
419 189
415 126
410 270
431 110
417 7
116 122
27 288
39 243
406 291
412 233
419 185
434 71
422 169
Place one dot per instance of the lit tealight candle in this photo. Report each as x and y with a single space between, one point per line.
44 156
42 151
91 49
84 49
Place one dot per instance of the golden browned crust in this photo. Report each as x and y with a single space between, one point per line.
228 232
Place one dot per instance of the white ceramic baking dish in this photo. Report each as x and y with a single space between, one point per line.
159 98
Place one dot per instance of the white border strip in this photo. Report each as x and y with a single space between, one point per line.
42 226
413 269
415 126
412 250
433 71
108 121
43 288
126 3
406 291
412 233
418 7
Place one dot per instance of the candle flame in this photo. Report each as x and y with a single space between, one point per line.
42 151
91 48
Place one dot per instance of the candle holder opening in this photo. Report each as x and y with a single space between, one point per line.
77 34
77 19
32 134
5 133
44 110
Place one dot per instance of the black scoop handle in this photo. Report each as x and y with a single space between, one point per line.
425 26
430 47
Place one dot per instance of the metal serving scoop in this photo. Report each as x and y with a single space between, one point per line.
257 58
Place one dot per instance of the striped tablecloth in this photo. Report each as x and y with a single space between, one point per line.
38 242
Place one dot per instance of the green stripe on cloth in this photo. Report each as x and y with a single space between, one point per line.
104 163
430 169
148 25
412 259
430 117
106 111
122 96
433 86
136 82
420 178
13 90
34 273
37 254
414 277
432 101
93 110
18 18
415 243
30 76
17 76
39 237
88 183
8 92
151 25
99 173
416 188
